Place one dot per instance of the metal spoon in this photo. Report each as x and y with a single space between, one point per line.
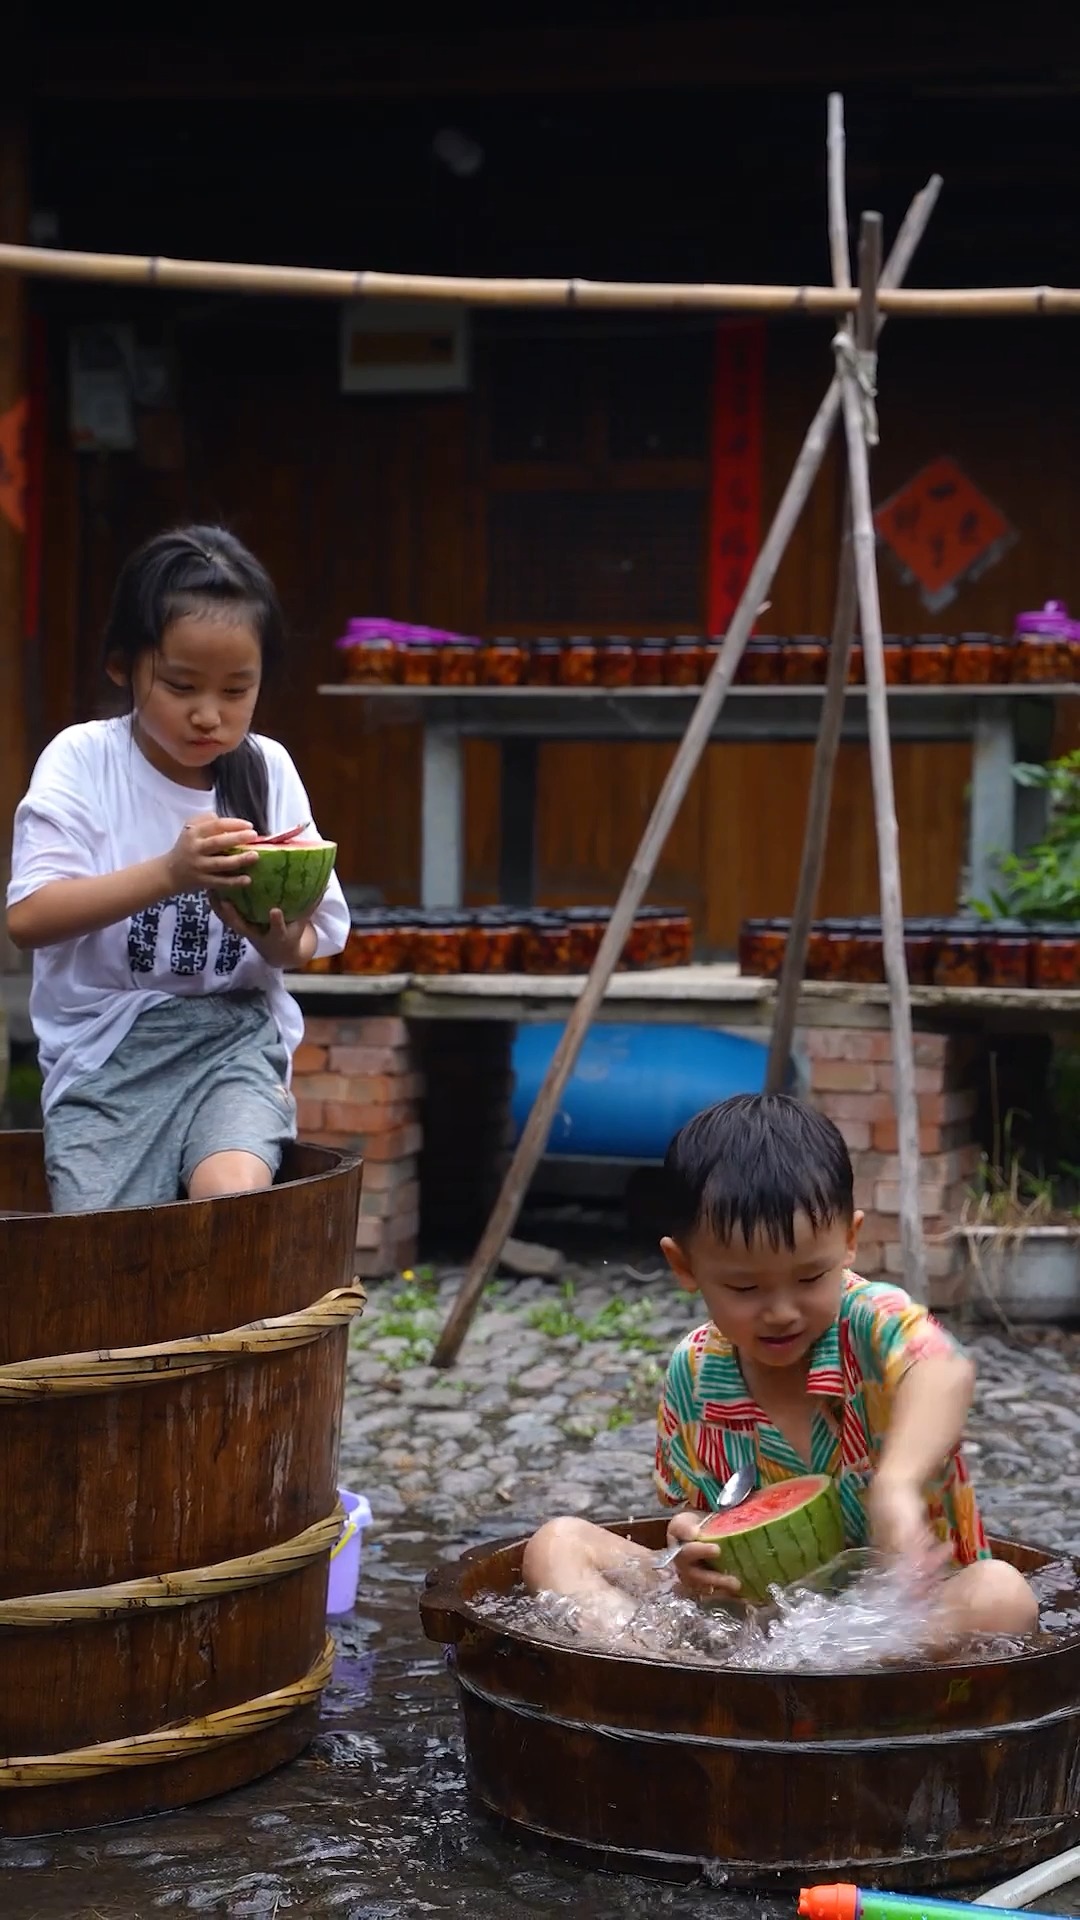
732 1494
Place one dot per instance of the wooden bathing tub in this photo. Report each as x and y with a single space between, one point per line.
906 1777
166 1518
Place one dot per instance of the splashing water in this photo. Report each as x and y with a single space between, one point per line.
871 1614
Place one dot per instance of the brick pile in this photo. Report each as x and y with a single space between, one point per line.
851 1079
357 1087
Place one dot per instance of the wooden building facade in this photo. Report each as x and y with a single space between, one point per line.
567 490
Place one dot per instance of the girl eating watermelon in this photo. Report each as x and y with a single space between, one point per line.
164 1030
801 1369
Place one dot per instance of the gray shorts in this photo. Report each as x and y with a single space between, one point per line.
193 1077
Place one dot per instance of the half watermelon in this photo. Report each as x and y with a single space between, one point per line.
780 1534
291 873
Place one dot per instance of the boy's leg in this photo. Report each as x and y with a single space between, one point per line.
990 1596
573 1558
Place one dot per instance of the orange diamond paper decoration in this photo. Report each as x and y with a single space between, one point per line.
942 530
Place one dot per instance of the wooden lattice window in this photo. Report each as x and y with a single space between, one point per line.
595 459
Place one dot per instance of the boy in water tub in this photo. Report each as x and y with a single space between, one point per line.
801 1367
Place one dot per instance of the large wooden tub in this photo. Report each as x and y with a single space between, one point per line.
170 1402
906 1777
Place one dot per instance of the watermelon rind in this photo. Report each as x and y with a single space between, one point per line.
764 1551
292 878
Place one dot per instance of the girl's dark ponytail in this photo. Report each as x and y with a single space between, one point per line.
192 570
242 785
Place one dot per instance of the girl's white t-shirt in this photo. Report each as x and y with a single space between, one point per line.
95 804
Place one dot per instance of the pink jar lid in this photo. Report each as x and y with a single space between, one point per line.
364 632
1053 618
400 634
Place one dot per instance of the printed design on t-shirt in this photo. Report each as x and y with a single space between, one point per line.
190 941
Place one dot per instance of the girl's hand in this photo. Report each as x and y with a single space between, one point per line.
898 1523
287 944
696 1564
209 851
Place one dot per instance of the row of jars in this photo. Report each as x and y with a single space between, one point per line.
422 658
940 953
504 940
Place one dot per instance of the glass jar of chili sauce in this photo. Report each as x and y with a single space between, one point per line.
685 662
542 667
369 653
1055 959
459 661
804 661
762 944
930 660
1044 645
577 663
1006 954
615 663
503 662
959 954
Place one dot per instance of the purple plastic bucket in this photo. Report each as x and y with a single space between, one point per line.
347 1557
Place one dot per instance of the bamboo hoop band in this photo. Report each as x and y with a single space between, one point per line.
158 1592
179 1742
111 1369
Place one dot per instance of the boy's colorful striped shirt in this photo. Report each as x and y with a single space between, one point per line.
708 1422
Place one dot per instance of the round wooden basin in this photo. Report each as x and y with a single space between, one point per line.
171 1382
913 1776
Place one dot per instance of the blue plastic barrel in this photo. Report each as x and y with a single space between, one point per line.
633 1086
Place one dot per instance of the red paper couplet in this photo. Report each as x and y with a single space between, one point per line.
735 503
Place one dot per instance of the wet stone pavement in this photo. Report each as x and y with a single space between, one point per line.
549 1409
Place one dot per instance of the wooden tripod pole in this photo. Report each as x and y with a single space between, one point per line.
534 1136
832 711
856 377
818 806
673 792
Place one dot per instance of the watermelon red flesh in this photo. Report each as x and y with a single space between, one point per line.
291 877
779 1534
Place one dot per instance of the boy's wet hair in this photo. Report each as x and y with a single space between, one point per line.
751 1164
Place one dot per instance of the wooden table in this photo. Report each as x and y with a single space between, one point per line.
1004 724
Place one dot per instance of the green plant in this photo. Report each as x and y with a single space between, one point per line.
404 1311
626 1322
1005 1193
24 1082
556 1318
1043 883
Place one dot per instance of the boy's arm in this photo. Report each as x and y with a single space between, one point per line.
930 1407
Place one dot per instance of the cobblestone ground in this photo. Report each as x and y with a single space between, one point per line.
550 1407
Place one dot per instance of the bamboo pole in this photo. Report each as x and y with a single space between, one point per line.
832 712
537 1127
328 283
831 723
888 842
683 767
819 803
836 184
